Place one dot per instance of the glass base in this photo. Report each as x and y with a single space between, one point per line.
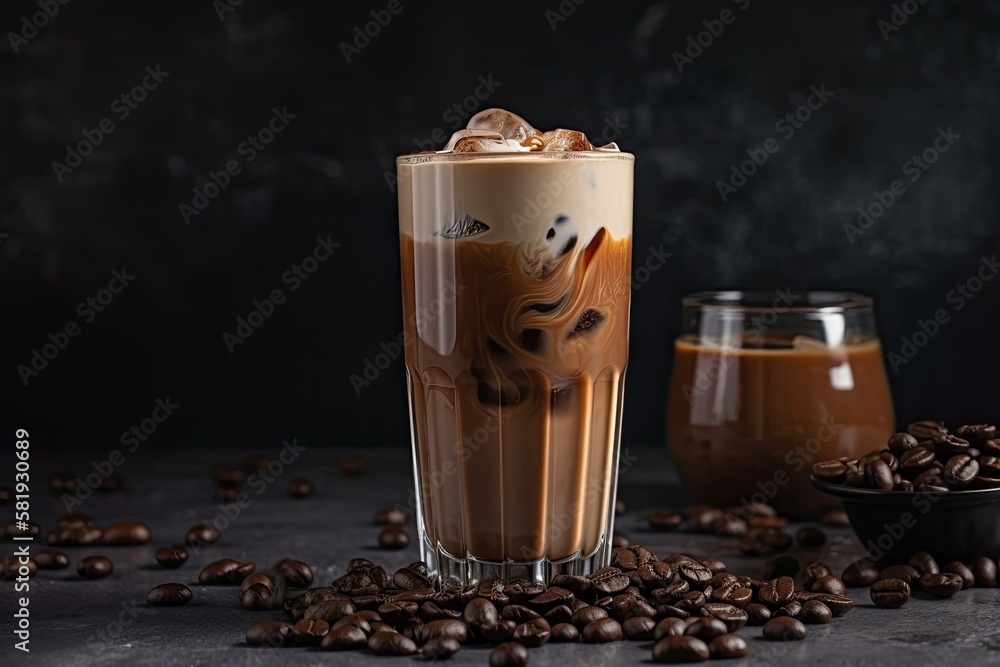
451 570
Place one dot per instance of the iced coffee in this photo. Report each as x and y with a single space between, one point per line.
515 247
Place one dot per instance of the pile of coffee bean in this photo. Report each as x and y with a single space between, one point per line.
690 608
927 457
892 585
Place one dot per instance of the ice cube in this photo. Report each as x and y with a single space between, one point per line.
468 141
467 226
566 140
509 125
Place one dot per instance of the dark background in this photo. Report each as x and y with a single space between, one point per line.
325 175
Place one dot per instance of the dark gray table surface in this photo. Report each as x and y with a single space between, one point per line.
107 622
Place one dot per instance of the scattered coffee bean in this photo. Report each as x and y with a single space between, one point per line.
664 519
757 614
669 627
393 537
300 487
169 595
509 654
353 465
776 592
126 532
257 597
344 638
620 540
792 609
637 628
12 530
51 559
784 628
962 570
728 646
391 643
680 649
829 584
536 632
985 571
391 516
924 563
269 633
440 648
706 628
95 567
310 632
905 572
225 571
62 482
600 631
890 593
297 574
941 585
11 568
858 574
201 535
171 557
815 612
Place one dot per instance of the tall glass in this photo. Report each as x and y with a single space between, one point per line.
766 384
516 287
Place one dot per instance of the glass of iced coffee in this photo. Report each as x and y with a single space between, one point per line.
515 248
766 384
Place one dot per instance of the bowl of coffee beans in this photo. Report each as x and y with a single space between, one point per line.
927 489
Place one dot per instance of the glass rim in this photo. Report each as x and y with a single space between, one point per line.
807 301
599 155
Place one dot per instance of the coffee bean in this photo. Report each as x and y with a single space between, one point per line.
480 612
781 566
858 574
509 654
310 632
732 616
837 518
730 525
600 631
169 595
728 646
926 430
297 574
664 520
924 563
344 638
902 442
12 530
810 536
610 580
941 585
567 632
51 559
669 627
257 578
225 571
815 612
353 465
391 516
776 592
702 519
11 568
955 567
269 633
706 628
838 604
300 487
95 567
201 535
503 631
391 643
830 471
949 445
620 540
440 649
637 627
960 470
560 614
62 482
330 611
905 572
694 573
985 571
879 476
890 593
257 598
680 649
757 614
393 537
535 632
791 610
916 460
977 434
126 532
829 584
784 628
452 628
586 615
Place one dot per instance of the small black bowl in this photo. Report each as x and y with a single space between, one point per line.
950 525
